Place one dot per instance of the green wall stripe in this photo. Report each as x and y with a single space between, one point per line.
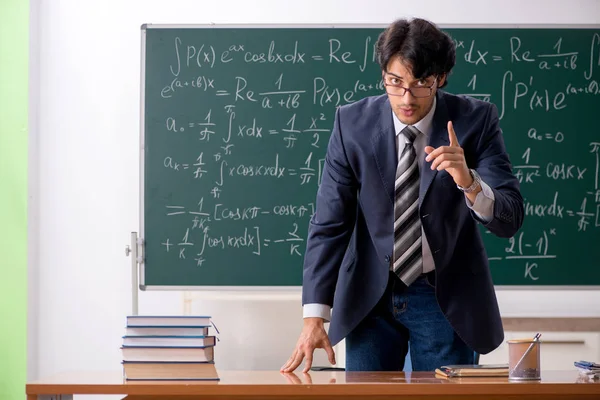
14 56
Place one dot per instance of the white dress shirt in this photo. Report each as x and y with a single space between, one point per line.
483 206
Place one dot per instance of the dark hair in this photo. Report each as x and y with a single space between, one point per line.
427 49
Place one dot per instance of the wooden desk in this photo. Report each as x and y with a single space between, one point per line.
272 385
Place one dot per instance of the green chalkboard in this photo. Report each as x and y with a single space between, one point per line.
235 124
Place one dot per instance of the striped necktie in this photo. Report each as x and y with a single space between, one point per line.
408 259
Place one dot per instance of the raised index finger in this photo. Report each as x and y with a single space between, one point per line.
452 135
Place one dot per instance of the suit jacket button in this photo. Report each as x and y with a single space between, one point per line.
387 258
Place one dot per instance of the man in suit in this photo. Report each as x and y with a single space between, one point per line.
394 253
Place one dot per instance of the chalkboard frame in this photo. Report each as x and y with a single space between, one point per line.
138 244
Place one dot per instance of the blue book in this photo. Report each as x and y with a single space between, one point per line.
168 340
167 330
162 353
168 320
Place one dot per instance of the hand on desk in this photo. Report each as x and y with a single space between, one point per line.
295 380
313 337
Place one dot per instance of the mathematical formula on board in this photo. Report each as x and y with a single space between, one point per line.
270 127
515 92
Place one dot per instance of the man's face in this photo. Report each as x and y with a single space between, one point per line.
408 108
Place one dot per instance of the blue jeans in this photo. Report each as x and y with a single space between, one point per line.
380 341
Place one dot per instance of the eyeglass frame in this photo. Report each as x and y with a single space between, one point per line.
408 89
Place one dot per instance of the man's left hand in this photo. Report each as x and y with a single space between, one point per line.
450 158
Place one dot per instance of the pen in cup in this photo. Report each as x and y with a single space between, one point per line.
514 372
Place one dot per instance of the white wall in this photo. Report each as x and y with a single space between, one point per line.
84 178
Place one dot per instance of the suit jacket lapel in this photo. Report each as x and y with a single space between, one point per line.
438 137
384 149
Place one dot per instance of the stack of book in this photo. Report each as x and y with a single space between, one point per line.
168 348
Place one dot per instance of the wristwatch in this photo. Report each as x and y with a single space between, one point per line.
476 182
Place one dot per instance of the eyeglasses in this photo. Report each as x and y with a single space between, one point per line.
395 89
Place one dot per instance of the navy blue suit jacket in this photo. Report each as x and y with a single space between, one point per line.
350 236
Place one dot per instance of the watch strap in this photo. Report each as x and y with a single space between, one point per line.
473 186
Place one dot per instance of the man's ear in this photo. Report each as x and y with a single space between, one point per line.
441 80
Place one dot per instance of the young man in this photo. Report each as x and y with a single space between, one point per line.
394 245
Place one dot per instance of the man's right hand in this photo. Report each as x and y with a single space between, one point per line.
313 337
